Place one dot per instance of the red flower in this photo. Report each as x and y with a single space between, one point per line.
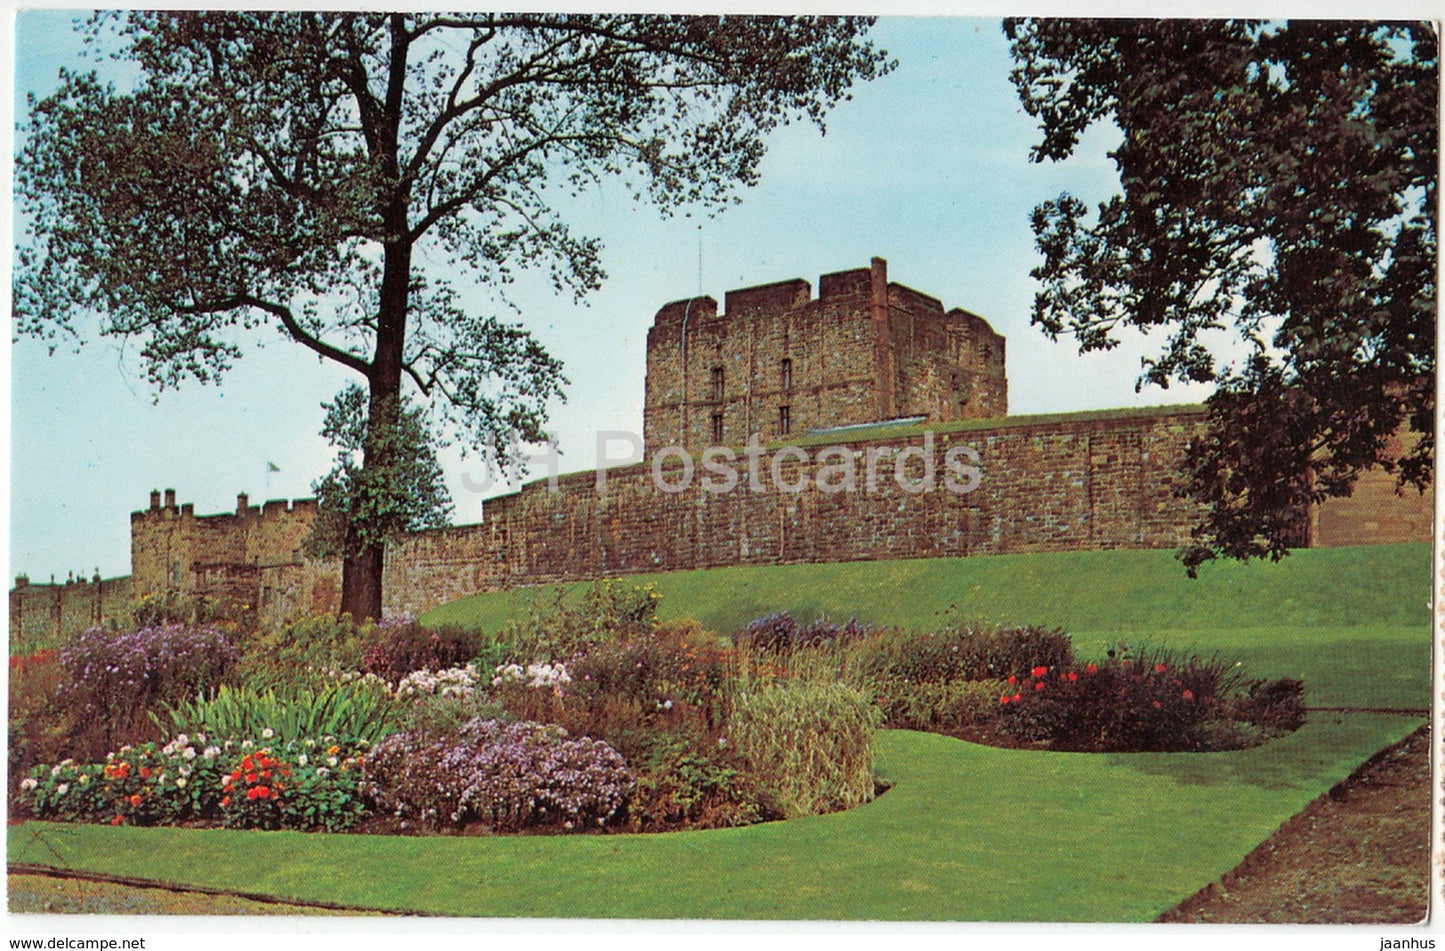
1018 697
117 820
1160 668
145 772
1158 705
265 774
1040 671
246 763
225 800
1091 669
251 793
1073 676
1003 700
1188 695
1012 679
1039 685
262 792
135 800
250 777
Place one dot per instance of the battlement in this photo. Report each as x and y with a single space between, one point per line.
778 361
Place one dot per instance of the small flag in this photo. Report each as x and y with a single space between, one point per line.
272 467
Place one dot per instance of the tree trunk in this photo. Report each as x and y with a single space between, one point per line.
361 568
361 583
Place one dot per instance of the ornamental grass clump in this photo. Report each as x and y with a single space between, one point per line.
809 744
355 710
506 776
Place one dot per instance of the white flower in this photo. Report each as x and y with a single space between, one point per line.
245 744
267 733
301 759
331 760
28 783
182 740
181 783
54 771
322 771
212 752
190 752
84 778
200 737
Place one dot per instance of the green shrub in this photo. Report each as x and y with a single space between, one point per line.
808 745
952 706
243 783
961 653
1152 700
684 783
304 650
353 711
1274 706
556 630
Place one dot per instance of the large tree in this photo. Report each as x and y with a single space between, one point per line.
298 170
1277 187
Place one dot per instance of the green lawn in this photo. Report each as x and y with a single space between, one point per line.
968 832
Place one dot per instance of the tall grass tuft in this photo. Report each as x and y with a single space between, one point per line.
809 742
348 711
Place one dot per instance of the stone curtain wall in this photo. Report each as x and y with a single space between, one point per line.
1062 483
1087 481
42 613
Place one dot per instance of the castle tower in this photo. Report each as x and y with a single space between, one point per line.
778 362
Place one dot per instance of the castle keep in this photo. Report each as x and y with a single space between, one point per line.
879 374
778 362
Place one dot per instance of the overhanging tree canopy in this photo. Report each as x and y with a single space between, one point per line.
298 170
1278 181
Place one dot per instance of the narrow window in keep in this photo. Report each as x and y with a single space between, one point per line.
717 428
717 383
785 420
787 369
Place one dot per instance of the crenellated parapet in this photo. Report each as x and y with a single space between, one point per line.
778 362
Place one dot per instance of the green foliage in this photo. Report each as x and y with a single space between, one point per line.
173 607
326 175
304 650
557 627
1152 699
1277 186
386 480
809 745
946 707
682 783
959 653
352 711
242 783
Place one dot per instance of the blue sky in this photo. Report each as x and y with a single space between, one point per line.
927 167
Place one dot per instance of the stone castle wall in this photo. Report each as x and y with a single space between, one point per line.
42 613
1086 481
778 362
